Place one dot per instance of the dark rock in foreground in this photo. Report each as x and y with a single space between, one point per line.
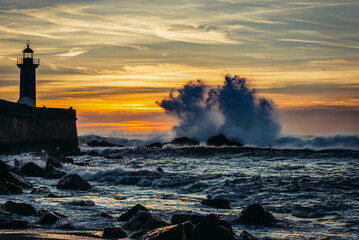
144 221
31 169
52 173
85 203
184 141
221 140
130 213
106 215
13 224
256 214
18 208
159 169
114 232
246 236
50 218
95 143
211 231
15 179
195 219
8 188
181 231
73 181
217 203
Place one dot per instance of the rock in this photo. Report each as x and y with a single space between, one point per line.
73 181
95 143
144 221
58 159
211 231
42 190
83 164
18 208
31 169
181 231
15 179
52 173
106 215
217 203
53 163
12 188
51 195
13 224
114 157
246 236
114 232
159 169
155 145
195 219
92 153
43 212
3 167
184 141
221 140
49 218
85 203
138 234
4 191
256 214
130 213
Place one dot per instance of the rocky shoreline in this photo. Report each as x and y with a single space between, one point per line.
134 223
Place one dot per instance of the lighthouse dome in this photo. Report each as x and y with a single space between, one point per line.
28 50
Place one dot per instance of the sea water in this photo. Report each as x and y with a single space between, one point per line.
313 194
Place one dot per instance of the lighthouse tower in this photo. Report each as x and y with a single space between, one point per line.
28 65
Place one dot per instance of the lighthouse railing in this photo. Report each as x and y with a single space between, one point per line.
34 61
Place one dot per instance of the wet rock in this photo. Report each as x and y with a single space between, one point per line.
12 188
4 191
181 231
18 208
59 159
3 167
106 215
184 141
132 212
155 145
51 195
43 212
49 218
138 234
221 140
95 143
246 236
92 153
15 179
31 169
84 203
256 214
73 181
52 173
42 190
13 224
114 232
53 163
83 164
144 221
217 203
195 219
114 157
159 169
211 231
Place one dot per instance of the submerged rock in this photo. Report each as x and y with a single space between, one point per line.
95 143
11 188
216 203
184 141
155 145
221 140
211 231
73 181
144 221
181 231
132 212
52 173
85 203
159 169
256 214
18 208
246 236
114 232
15 179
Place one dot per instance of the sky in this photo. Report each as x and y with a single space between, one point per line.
111 60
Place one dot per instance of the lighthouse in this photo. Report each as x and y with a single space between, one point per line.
28 65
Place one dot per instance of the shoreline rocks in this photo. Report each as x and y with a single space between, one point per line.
74 182
221 140
256 214
216 203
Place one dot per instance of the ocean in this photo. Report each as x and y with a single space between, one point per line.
313 194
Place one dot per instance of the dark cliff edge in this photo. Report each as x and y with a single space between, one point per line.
24 128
